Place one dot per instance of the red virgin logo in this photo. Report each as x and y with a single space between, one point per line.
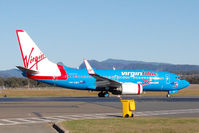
146 82
33 60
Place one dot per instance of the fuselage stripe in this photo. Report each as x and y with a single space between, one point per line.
138 89
62 77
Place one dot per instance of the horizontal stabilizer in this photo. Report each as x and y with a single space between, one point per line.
26 70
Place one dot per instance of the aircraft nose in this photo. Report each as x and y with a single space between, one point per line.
185 83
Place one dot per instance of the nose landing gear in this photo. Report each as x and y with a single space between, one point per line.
168 95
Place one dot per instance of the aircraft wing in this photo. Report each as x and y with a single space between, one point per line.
100 80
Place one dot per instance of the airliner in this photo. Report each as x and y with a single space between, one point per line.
118 82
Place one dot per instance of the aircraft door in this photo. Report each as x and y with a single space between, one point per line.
167 79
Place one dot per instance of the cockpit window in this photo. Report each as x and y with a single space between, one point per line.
180 78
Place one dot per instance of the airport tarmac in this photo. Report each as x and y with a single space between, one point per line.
21 113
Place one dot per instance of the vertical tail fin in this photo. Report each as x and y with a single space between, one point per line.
31 54
34 59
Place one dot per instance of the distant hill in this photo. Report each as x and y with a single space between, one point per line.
11 73
122 64
140 65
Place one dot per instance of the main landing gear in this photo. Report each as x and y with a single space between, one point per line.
103 94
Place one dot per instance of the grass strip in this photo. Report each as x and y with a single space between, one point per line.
44 92
55 91
136 125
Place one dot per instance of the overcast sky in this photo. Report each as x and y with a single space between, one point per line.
68 31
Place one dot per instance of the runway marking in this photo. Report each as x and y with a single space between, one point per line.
43 119
15 121
9 122
24 120
166 112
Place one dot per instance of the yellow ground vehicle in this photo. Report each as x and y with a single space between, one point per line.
128 108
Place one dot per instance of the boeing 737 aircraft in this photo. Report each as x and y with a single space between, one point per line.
119 82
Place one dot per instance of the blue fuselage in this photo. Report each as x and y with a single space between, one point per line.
150 80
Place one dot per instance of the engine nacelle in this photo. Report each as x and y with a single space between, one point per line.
130 89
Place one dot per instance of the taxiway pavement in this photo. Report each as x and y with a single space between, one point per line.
21 113
53 106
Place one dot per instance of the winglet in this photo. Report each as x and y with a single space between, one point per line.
89 68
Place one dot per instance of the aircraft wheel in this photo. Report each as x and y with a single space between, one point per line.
126 116
106 94
101 94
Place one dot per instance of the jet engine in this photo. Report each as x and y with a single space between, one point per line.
130 89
